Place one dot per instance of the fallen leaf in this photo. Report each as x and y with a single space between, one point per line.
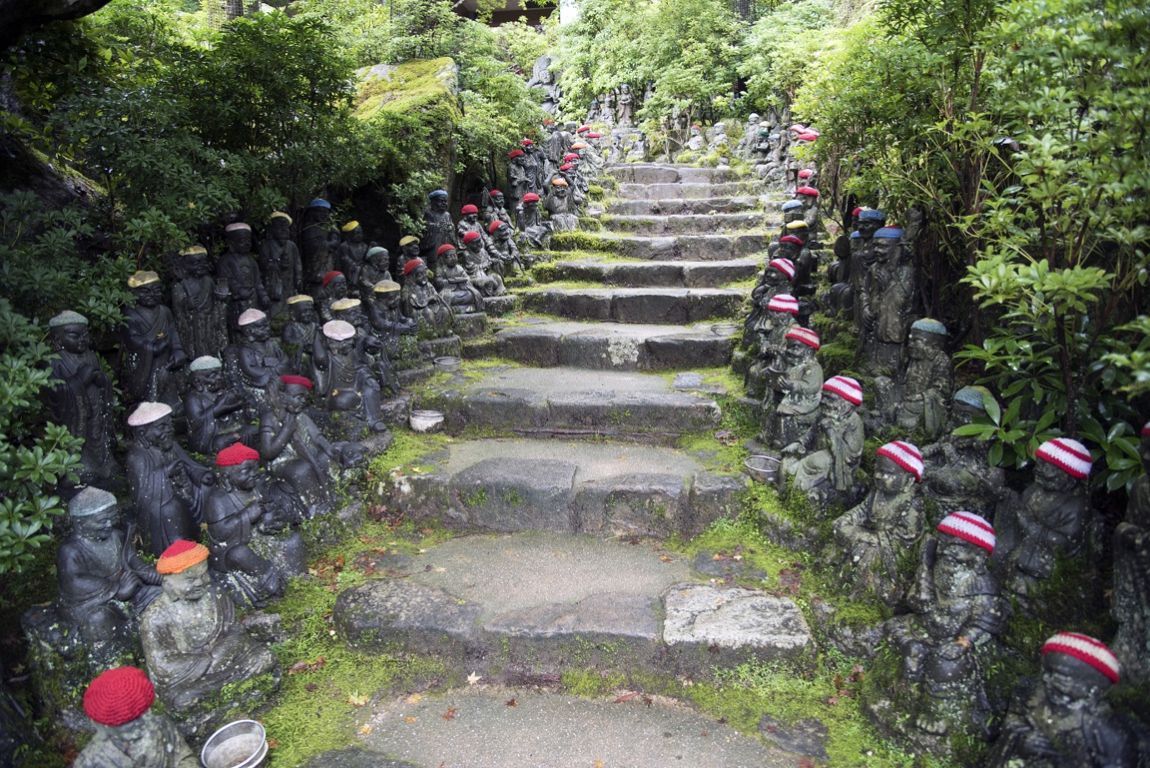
626 696
441 569
414 698
356 700
473 678
511 702
409 719
273 743
450 713
311 687
806 762
647 700
665 558
597 764
306 666
365 730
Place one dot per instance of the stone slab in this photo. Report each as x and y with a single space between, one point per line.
636 305
684 274
550 730
470 325
355 757
688 191
694 205
653 173
691 223
618 346
708 247
570 401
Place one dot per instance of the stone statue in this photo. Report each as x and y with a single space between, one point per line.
1131 602
750 134
696 141
607 100
950 638
298 335
468 222
454 285
862 255
200 305
504 250
533 160
536 230
377 267
294 448
333 288
823 463
235 511
318 241
876 537
477 264
238 270
280 263
624 105
438 228
386 316
1065 719
167 487
917 402
80 397
258 358
562 220
1050 521
104 584
150 347
370 349
960 475
352 253
345 379
497 210
791 404
887 298
809 197
517 175
776 279
129 734
408 250
216 413
193 644
769 338
422 303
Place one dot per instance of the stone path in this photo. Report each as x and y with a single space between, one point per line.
563 569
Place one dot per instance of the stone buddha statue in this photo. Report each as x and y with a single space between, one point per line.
344 378
960 475
280 263
916 402
438 228
370 349
823 463
1065 719
775 279
454 284
422 303
518 176
1131 602
790 407
299 332
193 644
862 255
376 267
408 251
257 358
200 305
129 733
216 413
318 241
386 316
769 338
150 347
558 206
624 105
887 301
333 288
536 230
468 222
504 252
80 396
238 270
496 210
352 253
477 264
873 537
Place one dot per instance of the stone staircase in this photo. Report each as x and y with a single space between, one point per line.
565 466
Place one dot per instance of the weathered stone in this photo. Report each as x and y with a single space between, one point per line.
806 737
636 305
415 615
506 494
687 191
355 757
618 347
643 173
695 205
638 504
689 223
468 326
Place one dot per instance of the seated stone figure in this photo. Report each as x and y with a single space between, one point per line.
1065 719
376 267
792 400
386 316
104 584
769 333
167 487
823 463
1131 603
536 230
150 348
333 288
294 448
193 644
345 379
960 475
408 251
497 210
351 254
775 280
129 733
477 263
236 512
80 396
454 284
216 413
258 358
298 335
873 537
559 206
504 252
1051 519
950 638
468 222
917 400
422 303
370 348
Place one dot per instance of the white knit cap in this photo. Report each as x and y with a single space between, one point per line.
146 413
338 330
250 316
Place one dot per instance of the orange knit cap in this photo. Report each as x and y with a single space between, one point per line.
181 556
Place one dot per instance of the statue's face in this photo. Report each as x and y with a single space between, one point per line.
132 732
278 228
303 312
923 344
240 241
260 330
559 192
497 200
502 234
389 300
198 265
890 477
475 245
208 381
439 204
356 235
419 274
450 259
797 352
886 248
158 434
97 527
294 398
833 405
471 218
149 295
354 315
531 205
1068 682
1051 477
71 338
380 259
410 251
774 277
341 347
788 251
866 228
243 476
337 288
959 554
189 585
320 214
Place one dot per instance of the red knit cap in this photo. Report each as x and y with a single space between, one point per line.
329 276
527 142
468 209
566 166
181 556
470 237
806 173
807 191
301 381
594 135
439 251
531 197
515 153
494 226
494 192
570 156
790 239
583 129
236 454
119 696
410 266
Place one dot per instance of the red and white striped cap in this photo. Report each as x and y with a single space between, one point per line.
1068 455
1086 649
1146 429
969 527
846 388
804 335
906 455
784 302
786 266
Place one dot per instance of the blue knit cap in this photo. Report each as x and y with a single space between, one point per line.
871 214
928 325
855 235
319 202
888 233
972 396
438 193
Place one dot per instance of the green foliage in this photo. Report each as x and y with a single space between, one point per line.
778 50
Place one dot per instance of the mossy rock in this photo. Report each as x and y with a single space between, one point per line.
425 86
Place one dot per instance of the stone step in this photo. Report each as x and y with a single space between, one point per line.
652 173
672 247
689 223
670 274
570 402
603 489
696 205
495 726
618 346
538 603
635 305
688 190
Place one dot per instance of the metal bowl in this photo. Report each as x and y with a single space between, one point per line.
425 421
240 744
448 364
725 329
762 468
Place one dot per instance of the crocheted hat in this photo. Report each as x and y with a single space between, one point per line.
90 501
971 528
143 277
889 233
344 305
470 237
468 209
871 214
514 154
929 325
1086 649
146 413
807 191
906 455
408 240
786 266
236 454
250 316
805 336
1068 455
300 298
783 302
338 330
238 226
806 173
181 556
329 276
119 696
300 381
279 215
319 202
494 226
531 197
792 239
411 266
205 363
67 317
845 387
349 226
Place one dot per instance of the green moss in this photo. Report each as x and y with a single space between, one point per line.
596 191
407 453
413 86
589 683
581 241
